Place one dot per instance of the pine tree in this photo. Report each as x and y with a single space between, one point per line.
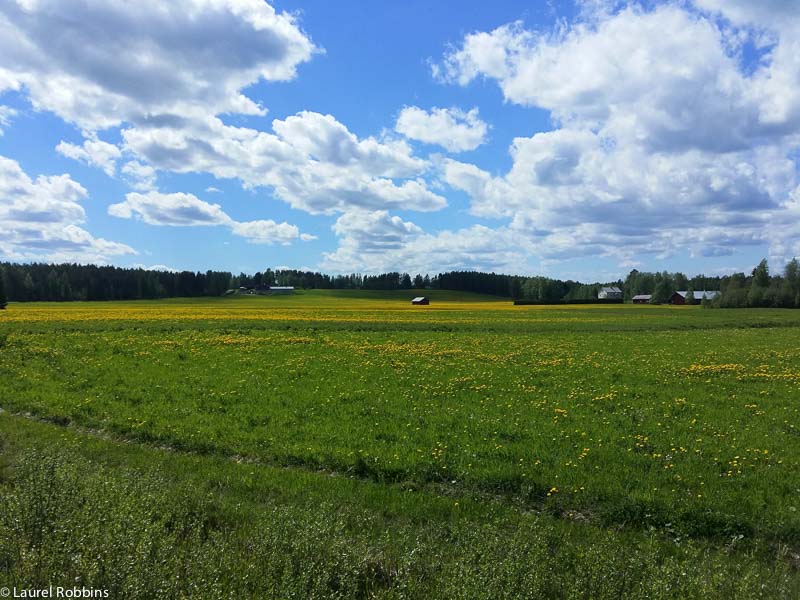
759 284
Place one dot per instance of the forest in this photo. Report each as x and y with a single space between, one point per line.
68 282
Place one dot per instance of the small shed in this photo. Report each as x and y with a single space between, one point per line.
642 298
610 293
421 300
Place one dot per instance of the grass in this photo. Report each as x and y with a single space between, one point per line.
570 451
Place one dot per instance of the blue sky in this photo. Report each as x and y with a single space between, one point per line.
575 139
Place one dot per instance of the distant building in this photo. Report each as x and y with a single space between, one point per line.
610 293
420 300
699 296
642 298
267 290
281 289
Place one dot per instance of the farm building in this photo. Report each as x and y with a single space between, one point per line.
610 293
699 296
420 300
263 290
642 298
281 289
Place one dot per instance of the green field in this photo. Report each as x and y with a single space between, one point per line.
348 444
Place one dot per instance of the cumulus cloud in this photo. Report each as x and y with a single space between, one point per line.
663 78
452 128
164 73
312 162
664 142
98 63
266 231
93 152
375 241
176 210
41 219
187 210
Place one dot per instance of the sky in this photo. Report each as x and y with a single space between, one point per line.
577 139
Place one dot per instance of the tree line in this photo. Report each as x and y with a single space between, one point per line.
64 282
759 289
31 282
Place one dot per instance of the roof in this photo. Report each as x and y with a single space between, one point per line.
611 290
700 294
642 297
281 287
419 298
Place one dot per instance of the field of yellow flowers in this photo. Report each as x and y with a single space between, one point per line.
676 426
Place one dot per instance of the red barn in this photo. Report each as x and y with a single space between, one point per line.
680 297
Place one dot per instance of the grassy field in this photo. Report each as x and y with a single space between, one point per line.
348 444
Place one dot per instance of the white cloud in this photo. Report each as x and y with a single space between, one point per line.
98 63
375 231
163 73
93 152
452 128
266 232
663 142
775 14
312 161
664 79
6 114
187 210
139 176
176 210
571 194
154 267
213 190
42 217
375 241
322 138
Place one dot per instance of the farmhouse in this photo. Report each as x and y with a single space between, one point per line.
642 298
421 300
610 293
699 296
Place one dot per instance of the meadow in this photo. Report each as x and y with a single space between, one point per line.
347 444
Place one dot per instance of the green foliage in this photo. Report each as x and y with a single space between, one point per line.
761 274
142 523
663 289
761 290
341 443
3 297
